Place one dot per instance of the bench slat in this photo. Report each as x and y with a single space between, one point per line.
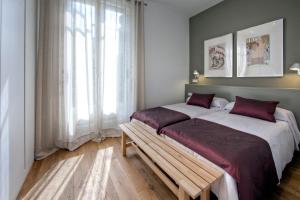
204 165
157 171
181 158
193 190
197 180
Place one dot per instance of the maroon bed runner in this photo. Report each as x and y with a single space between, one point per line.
247 158
159 117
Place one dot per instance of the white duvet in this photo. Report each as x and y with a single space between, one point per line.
279 135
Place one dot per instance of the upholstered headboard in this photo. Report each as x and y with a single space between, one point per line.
288 98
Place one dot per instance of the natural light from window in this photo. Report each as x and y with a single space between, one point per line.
82 60
111 50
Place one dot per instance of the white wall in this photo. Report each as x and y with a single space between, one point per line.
30 59
17 94
167 54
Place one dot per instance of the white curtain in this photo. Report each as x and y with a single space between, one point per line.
90 70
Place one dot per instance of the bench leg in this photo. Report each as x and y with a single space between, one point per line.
205 194
123 143
182 195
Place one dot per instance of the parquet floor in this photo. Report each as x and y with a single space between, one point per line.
98 171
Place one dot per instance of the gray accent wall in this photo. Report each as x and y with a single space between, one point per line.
231 16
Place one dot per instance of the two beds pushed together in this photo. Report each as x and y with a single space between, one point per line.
236 157
190 177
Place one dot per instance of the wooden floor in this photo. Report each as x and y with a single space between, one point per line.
98 171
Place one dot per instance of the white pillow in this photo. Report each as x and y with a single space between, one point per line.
229 106
187 99
283 114
217 102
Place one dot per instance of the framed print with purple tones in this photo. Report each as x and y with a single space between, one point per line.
260 50
218 56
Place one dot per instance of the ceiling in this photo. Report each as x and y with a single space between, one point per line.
191 7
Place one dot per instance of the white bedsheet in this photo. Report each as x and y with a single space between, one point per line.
190 110
279 135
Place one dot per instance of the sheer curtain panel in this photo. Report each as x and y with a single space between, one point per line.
90 70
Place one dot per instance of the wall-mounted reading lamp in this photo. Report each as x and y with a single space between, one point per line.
196 74
296 67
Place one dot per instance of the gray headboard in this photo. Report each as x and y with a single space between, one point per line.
289 98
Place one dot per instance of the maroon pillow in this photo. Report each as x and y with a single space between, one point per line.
203 100
254 108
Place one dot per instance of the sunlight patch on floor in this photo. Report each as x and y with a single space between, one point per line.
53 183
95 184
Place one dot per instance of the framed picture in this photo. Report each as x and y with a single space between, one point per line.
218 56
260 50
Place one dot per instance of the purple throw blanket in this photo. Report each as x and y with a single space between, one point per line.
247 158
159 117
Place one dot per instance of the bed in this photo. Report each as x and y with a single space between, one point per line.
281 136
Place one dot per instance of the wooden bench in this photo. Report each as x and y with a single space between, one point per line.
184 174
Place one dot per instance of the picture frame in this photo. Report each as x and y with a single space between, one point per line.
218 60
260 50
